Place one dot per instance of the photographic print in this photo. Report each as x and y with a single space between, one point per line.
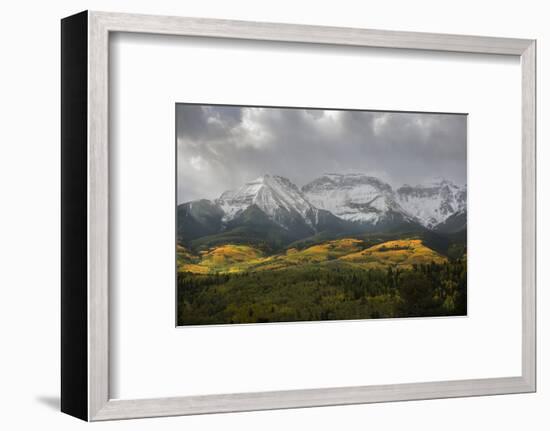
295 214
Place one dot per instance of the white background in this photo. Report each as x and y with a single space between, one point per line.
29 138
151 358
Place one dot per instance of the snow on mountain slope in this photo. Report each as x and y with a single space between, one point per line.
355 197
332 201
276 196
433 203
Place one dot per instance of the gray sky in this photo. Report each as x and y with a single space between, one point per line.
222 147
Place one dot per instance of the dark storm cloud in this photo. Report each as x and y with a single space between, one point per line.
220 148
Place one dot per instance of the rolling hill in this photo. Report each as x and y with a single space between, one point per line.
235 258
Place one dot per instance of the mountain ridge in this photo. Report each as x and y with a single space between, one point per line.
336 203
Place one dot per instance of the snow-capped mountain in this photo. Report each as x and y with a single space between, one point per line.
272 209
433 203
357 198
276 196
368 200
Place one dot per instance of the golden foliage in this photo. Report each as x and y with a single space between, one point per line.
403 253
234 258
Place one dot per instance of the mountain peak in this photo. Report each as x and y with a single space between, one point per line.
269 180
275 195
262 179
434 183
347 181
433 202
355 197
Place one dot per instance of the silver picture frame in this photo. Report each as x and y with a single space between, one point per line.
85 215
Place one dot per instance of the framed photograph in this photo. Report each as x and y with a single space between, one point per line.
263 216
277 220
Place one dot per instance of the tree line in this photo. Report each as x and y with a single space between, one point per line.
329 292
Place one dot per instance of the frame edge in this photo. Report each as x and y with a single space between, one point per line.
98 214
74 130
307 398
299 33
529 191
